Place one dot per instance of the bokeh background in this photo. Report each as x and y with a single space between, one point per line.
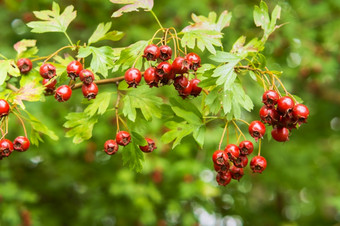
60 183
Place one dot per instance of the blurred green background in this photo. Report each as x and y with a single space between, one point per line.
60 183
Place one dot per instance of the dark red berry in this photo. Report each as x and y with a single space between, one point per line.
184 93
257 129
196 90
110 147
24 65
285 105
151 52
150 77
47 71
149 147
241 161
287 121
86 76
4 108
180 65
163 69
221 168
194 61
73 69
63 93
236 173
165 52
6 147
301 113
133 77
181 82
270 98
280 134
269 115
123 138
223 178
232 151
49 84
246 147
21 143
90 91
258 164
220 158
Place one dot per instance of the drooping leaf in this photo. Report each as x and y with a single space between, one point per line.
186 110
99 105
26 48
132 5
177 132
198 134
8 67
102 33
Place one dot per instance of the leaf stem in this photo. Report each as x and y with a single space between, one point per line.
22 123
154 15
56 52
259 151
69 39
3 56
116 107
225 128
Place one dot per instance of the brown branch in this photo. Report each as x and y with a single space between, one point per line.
12 87
101 82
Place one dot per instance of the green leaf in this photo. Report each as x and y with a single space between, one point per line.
8 67
227 102
101 33
226 75
138 139
26 48
222 57
186 106
31 90
213 100
99 105
132 5
261 16
275 15
203 39
177 132
199 133
133 156
209 23
52 20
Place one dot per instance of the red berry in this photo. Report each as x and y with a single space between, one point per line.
86 76
180 65
258 164
236 173
21 143
241 161
232 151
194 61
269 115
63 93
287 121
257 129
24 65
184 93
6 147
151 52
301 113
181 82
90 91
280 134
221 168
110 147
270 98
285 105
196 90
150 77
123 138
223 178
49 84
165 52
47 71
220 158
133 77
149 147
73 69
4 108
163 69
246 147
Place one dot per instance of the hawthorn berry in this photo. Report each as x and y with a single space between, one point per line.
86 76
256 129
236 173
63 93
181 82
180 65
232 151
184 93
241 161
73 69
133 77
287 121
258 164
196 90
163 69
21 144
193 60
4 108
269 115
49 84
280 134
24 65
47 71
165 52
111 147
219 157
90 91
149 147
246 147
285 105
300 113
123 138
6 147
270 98
151 52
150 77
223 178
221 168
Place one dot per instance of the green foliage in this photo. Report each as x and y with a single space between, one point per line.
102 33
8 67
132 5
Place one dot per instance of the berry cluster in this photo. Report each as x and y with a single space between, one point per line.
166 73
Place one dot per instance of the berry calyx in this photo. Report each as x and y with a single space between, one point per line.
180 65
21 144
269 115
241 161
90 91
4 108
165 52
236 173
220 158
223 178
221 168
256 129
24 65
86 76
246 147
123 138
111 147
47 71
280 134
194 61
270 98
73 69
181 82
258 164
232 151
300 113
150 77
133 77
63 93
196 90
285 105
149 147
151 52
6 147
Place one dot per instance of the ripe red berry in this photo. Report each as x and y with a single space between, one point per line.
73 69
180 65
196 90
123 138
223 178
47 71
221 168
258 164
151 52
63 93
4 108
241 161
220 158
165 52
246 147
150 77
49 84
163 69
6 147
285 105
269 115
21 144
232 151
181 82
236 173
184 93
110 147
270 98
149 147
194 61
301 113
86 76
280 134
133 77
90 91
287 121
24 65
257 129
